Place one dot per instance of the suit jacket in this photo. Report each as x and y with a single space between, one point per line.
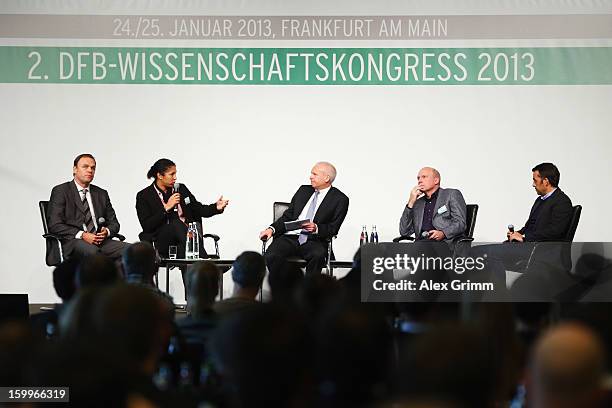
66 214
329 215
152 216
553 219
449 215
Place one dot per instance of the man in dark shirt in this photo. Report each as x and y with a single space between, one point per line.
548 220
551 213
433 213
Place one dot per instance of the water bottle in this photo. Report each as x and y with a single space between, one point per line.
189 242
196 241
363 239
374 236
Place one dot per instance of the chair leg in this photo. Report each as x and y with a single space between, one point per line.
221 286
263 253
157 261
61 251
167 279
328 267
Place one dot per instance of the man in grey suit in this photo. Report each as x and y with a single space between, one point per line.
76 209
433 213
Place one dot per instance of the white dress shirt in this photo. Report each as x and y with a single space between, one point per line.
322 194
79 234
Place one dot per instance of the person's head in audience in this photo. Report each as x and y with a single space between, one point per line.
284 281
202 288
567 368
498 321
262 354
76 318
111 339
248 272
451 363
19 347
64 278
139 263
316 293
546 178
97 375
353 345
135 321
96 270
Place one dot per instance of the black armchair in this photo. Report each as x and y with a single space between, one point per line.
539 249
215 239
467 237
279 208
54 254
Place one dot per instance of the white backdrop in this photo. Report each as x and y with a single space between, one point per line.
256 145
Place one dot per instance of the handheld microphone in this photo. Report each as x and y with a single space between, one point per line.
511 229
175 189
425 235
101 224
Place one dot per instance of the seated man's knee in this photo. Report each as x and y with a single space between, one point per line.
270 257
316 253
82 248
273 256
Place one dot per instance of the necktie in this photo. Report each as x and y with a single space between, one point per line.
310 215
89 224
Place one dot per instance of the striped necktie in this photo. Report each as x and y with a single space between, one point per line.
89 224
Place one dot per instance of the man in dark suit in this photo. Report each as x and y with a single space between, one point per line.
549 220
324 206
551 212
75 210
